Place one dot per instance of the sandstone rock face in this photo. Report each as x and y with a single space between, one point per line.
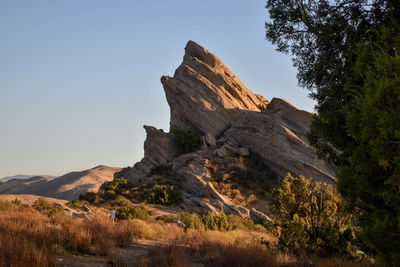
205 94
159 149
278 135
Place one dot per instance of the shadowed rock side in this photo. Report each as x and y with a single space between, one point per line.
159 149
202 83
278 135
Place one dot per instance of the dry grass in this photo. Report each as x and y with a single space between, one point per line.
29 238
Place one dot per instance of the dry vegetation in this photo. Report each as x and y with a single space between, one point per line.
36 238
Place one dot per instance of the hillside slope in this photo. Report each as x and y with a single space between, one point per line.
68 186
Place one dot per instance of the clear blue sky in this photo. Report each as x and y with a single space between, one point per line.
78 79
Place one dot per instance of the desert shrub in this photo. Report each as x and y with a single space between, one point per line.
237 223
216 222
117 185
88 196
162 170
57 211
163 194
311 217
128 212
16 201
170 218
42 204
259 227
187 139
191 221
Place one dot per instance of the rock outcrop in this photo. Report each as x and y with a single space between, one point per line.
205 94
233 122
159 149
278 135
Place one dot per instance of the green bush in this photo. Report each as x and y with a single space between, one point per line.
42 204
311 217
259 227
190 220
163 194
129 212
216 222
57 211
117 185
88 196
167 218
16 201
187 139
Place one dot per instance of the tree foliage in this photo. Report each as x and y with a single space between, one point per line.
347 55
311 217
371 179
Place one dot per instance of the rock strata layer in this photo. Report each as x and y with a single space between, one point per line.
205 94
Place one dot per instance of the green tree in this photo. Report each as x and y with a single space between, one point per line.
371 179
311 217
347 53
322 36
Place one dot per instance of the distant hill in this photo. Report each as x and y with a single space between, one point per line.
68 186
19 176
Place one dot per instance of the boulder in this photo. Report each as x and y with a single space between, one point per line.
210 140
205 94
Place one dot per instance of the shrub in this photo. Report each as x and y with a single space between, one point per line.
311 217
57 211
42 204
88 196
216 222
191 221
117 185
129 212
16 201
163 194
187 139
167 218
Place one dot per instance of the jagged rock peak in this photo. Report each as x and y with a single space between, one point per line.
205 94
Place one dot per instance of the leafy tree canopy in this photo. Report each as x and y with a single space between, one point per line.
347 53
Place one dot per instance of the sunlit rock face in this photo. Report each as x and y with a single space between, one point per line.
205 94
233 123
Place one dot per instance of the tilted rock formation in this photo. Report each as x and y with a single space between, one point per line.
205 94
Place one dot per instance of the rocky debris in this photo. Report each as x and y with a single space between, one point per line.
278 135
195 175
205 94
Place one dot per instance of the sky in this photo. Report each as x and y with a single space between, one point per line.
79 79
